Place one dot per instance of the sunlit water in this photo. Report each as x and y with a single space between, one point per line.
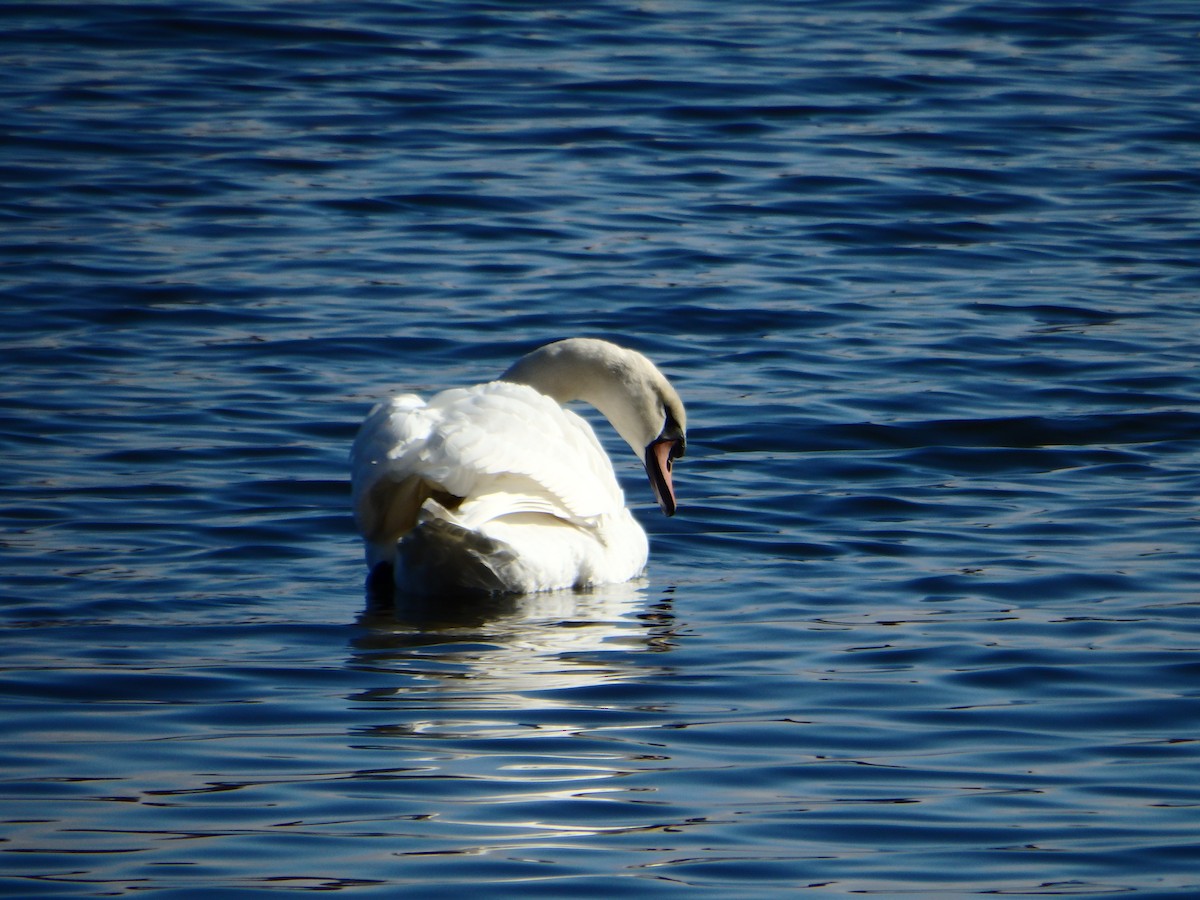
926 276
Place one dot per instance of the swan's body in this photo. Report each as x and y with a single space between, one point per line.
497 488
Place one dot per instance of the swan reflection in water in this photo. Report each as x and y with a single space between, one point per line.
507 722
494 652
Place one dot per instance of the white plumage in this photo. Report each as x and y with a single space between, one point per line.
498 488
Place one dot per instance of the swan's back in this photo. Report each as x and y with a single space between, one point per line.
496 484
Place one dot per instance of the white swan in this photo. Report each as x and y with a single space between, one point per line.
497 488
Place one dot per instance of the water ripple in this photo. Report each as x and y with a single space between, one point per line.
926 277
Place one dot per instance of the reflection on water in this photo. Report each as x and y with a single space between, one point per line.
517 698
508 653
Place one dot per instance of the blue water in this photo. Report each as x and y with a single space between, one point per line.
926 275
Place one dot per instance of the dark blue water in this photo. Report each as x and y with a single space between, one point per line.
926 275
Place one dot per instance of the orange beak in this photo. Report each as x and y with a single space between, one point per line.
660 456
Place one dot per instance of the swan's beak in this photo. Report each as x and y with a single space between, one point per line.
660 456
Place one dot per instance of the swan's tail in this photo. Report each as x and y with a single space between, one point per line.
441 557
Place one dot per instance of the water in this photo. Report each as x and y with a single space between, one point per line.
926 275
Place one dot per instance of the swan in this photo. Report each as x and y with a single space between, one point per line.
497 488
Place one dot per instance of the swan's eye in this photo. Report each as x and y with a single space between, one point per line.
673 433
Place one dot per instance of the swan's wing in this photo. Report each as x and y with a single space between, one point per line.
502 448
386 496
508 438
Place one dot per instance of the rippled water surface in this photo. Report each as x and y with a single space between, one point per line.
925 274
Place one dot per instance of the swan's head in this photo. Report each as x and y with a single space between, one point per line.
627 388
664 421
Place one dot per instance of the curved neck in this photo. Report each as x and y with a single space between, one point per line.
596 372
